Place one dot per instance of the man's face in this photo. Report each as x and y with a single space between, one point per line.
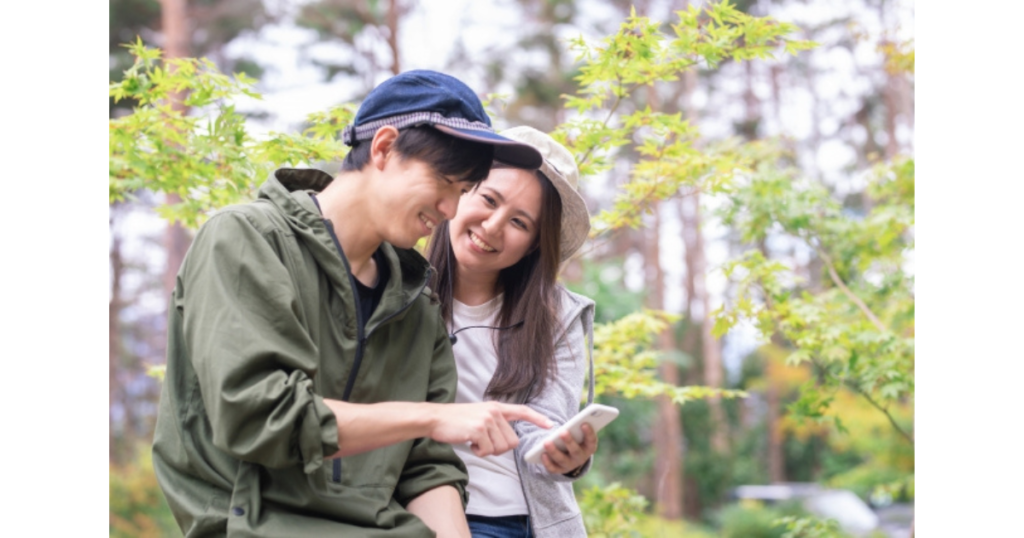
413 200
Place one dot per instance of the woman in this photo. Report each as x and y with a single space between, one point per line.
519 336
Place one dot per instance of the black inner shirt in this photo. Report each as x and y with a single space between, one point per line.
368 298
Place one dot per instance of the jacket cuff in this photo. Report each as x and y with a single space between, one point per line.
436 476
578 472
318 436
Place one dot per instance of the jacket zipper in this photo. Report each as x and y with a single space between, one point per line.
336 475
361 337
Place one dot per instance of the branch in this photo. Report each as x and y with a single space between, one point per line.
855 386
852 296
862 392
611 111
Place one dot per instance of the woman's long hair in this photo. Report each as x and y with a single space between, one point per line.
525 353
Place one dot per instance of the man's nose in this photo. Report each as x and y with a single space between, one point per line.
449 205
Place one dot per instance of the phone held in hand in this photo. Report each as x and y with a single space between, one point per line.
597 415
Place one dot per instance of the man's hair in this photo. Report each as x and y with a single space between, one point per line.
455 158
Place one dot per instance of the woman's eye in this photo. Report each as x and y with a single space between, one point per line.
490 201
519 224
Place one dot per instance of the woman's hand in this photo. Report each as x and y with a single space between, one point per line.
558 462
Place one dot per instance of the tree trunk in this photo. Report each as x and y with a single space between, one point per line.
116 270
776 456
711 350
176 45
668 436
773 399
891 100
393 16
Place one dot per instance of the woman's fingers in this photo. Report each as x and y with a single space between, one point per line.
589 445
574 455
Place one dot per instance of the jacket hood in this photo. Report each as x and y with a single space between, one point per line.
572 305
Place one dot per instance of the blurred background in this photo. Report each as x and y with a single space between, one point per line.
823 433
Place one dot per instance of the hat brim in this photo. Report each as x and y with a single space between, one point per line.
506 150
575 215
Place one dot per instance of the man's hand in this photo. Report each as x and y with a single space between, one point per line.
576 454
485 426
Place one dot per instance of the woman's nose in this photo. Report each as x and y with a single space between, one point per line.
491 224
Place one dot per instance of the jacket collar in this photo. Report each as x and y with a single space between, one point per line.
289 190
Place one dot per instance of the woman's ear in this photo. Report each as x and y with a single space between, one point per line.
382 145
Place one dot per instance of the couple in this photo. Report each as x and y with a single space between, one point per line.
324 379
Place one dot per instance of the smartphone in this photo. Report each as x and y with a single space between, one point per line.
597 415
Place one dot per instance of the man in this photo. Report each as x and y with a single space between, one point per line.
309 375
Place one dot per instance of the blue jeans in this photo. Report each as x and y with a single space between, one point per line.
499 527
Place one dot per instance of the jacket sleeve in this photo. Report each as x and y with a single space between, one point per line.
253 357
431 464
560 399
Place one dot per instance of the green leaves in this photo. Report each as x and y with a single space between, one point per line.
624 364
611 511
809 527
210 160
641 58
856 325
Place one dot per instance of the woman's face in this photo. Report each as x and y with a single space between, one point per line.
496 223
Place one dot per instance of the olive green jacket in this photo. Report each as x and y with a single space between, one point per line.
263 327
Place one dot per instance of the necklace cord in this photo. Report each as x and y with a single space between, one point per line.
451 299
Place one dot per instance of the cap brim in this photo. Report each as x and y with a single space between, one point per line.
506 150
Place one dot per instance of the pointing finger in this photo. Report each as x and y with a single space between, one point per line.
522 412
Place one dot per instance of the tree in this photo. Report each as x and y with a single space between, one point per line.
186 28
359 26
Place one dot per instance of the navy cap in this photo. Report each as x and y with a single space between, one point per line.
423 97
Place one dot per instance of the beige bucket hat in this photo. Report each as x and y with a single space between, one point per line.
559 167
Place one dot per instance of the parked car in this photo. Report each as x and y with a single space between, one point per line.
854 515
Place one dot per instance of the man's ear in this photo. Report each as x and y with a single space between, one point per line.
382 145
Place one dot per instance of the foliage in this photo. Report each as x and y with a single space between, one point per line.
208 161
137 507
752 520
886 459
651 526
213 23
625 365
357 25
809 527
855 328
611 511
640 55
899 56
